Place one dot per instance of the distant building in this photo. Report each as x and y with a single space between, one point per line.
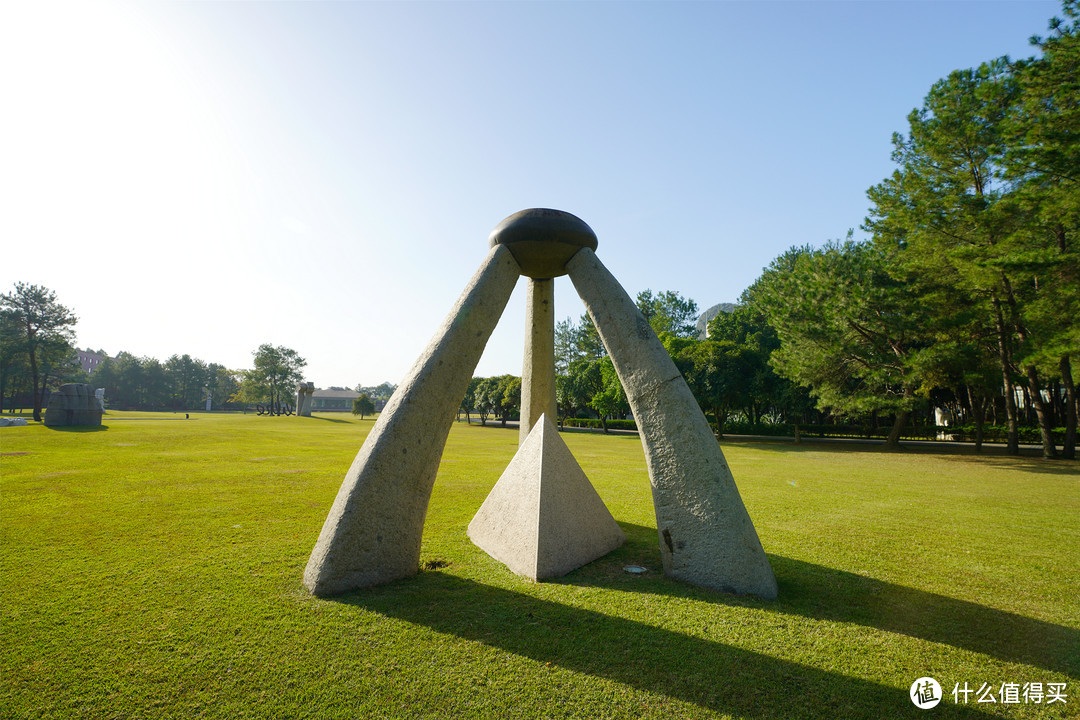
333 400
702 323
90 360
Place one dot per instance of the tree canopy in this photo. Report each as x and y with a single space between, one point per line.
363 405
274 377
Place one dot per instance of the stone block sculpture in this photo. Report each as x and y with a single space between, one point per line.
543 518
373 531
304 391
73 404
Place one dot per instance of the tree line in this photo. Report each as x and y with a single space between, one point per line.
184 383
37 355
967 293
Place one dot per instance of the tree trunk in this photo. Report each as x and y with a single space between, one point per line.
893 441
603 422
1056 407
1068 446
37 384
719 422
1028 405
40 401
978 409
1049 451
1013 443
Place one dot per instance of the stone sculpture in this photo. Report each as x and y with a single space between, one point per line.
543 518
73 404
372 533
707 537
304 391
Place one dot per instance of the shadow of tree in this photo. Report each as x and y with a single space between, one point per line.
327 419
1030 458
709 674
824 593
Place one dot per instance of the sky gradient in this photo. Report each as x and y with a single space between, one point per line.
202 178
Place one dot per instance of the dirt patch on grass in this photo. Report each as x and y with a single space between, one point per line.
15 453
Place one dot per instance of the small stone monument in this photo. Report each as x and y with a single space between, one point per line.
543 518
304 391
73 404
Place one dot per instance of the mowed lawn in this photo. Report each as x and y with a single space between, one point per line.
152 568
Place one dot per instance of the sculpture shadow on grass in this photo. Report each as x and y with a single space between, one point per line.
824 593
703 672
78 428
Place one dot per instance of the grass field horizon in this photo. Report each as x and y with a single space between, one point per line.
152 568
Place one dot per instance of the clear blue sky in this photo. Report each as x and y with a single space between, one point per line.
206 177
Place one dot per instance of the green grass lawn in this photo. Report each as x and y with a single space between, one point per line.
152 568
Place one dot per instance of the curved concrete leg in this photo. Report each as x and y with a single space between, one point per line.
706 535
372 534
538 373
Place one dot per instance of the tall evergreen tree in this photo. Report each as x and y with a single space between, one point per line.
955 212
847 328
1042 160
46 332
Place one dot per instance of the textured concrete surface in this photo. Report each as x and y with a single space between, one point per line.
538 370
706 535
304 391
543 518
372 533
73 404
542 240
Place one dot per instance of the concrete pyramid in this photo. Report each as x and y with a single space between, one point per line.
543 518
